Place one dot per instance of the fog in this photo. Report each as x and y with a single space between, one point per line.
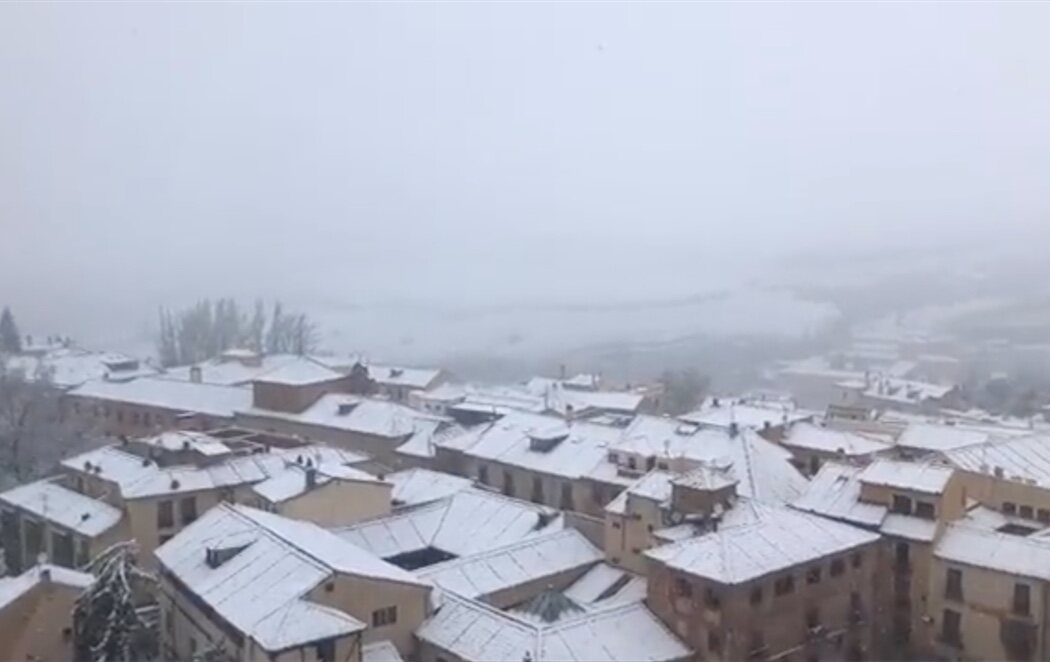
391 167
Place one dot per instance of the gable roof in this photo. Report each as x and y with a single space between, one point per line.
418 486
209 399
781 539
1012 554
467 522
62 506
925 477
519 563
300 371
808 436
261 589
620 633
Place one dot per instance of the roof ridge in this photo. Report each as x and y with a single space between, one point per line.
524 543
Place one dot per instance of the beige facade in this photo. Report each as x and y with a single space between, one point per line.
37 624
120 418
984 614
336 503
381 449
827 619
27 537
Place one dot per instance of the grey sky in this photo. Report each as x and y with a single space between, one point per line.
363 151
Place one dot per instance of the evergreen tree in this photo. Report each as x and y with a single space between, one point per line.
10 339
108 624
257 328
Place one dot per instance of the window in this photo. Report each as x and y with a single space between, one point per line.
812 618
756 595
784 585
925 510
1026 512
838 566
903 556
597 494
1043 515
953 585
566 497
537 489
858 560
683 588
1022 597
632 463
813 575
1009 508
483 474
384 616
508 483
613 457
950 628
855 608
714 642
711 599
62 549
120 416
616 525
188 509
662 466
165 515
193 647
325 651
901 504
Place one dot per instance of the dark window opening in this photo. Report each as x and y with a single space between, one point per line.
838 566
953 585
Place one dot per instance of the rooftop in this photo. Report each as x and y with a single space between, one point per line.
781 539
510 440
301 371
74 511
230 370
13 588
942 437
521 562
1004 552
414 378
470 521
620 633
811 437
1020 459
260 588
746 413
413 487
209 399
356 414
835 492
926 477
763 469
290 481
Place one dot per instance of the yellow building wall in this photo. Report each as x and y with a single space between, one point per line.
339 503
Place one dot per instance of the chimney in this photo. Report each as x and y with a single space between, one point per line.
311 477
734 430
195 374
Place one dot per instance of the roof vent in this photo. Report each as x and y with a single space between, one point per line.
345 408
216 556
175 484
999 473
98 468
87 466
85 517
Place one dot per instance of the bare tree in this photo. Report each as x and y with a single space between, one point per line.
33 436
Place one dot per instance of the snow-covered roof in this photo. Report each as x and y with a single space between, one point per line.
706 477
1004 552
356 414
923 477
560 396
781 539
654 486
290 481
72 366
508 441
13 588
261 589
71 510
417 486
1020 459
299 372
209 399
810 437
891 389
763 469
227 370
474 631
426 437
835 492
909 527
380 651
178 440
516 564
753 414
468 522
413 378
137 477
940 438
605 584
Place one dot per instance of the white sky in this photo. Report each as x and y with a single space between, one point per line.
479 151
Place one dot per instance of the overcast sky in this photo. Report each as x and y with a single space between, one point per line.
416 151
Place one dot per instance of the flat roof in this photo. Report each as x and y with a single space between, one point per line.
69 509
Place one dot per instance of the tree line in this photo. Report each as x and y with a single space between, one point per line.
207 329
